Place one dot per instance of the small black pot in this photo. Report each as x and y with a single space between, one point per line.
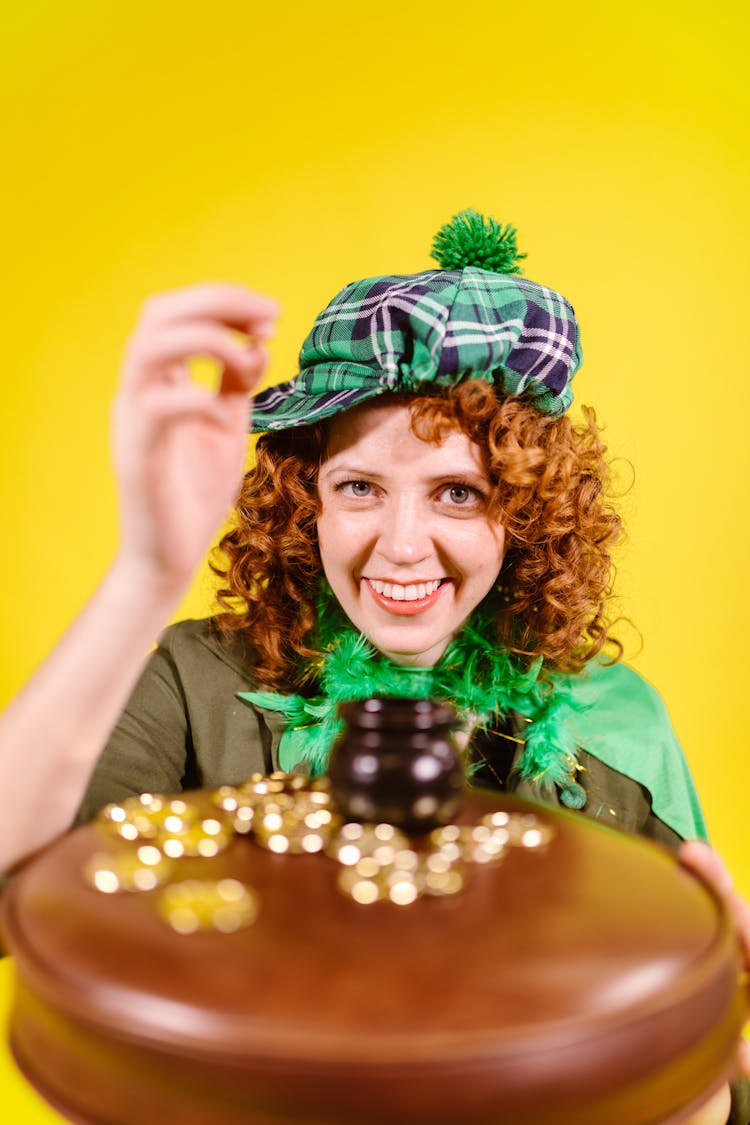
396 761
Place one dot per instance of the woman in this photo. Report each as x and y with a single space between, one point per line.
421 458
423 464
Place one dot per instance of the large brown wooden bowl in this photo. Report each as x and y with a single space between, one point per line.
594 983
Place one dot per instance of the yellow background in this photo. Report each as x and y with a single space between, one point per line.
294 146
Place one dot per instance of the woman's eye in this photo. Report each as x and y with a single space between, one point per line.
460 494
357 487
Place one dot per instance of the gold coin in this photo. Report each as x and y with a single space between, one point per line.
451 852
405 860
485 851
356 886
499 819
242 821
537 836
318 798
227 797
448 834
276 782
438 862
448 882
402 891
204 838
368 867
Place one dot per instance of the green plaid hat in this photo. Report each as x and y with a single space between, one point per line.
415 332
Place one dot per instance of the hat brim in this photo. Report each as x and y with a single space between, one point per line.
286 405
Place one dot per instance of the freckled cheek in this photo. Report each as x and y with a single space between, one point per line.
484 557
345 543
478 547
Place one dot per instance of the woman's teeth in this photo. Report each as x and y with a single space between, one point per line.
404 593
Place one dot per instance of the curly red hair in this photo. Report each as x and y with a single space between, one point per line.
550 479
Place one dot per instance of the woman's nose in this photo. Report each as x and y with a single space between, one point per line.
405 534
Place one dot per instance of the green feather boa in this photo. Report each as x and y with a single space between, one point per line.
481 680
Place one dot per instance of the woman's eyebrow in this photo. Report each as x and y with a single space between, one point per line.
469 476
328 469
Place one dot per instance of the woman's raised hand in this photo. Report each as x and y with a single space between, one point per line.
179 448
179 455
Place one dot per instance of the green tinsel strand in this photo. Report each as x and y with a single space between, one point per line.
550 754
470 239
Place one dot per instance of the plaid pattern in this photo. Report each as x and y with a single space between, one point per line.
406 333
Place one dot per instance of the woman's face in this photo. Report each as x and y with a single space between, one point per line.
405 539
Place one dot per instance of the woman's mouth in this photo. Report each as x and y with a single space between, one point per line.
406 600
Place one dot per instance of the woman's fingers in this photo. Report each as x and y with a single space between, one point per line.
715 1111
201 320
702 859
161 404
246 378
231 305
155 354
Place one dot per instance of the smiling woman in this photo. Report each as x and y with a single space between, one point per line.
420 504
405 537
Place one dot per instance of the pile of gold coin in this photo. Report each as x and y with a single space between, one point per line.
299 822
474 843
174 826
144 817
402 879
141 869
290 815
523 830
285 812
378 865
198 904
354 842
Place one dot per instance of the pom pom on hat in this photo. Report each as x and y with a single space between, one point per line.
470 239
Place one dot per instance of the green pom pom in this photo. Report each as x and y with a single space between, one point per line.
471 240
573 796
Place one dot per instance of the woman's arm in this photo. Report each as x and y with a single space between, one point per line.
179 457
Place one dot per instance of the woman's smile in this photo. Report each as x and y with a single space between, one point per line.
405 537
407 600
